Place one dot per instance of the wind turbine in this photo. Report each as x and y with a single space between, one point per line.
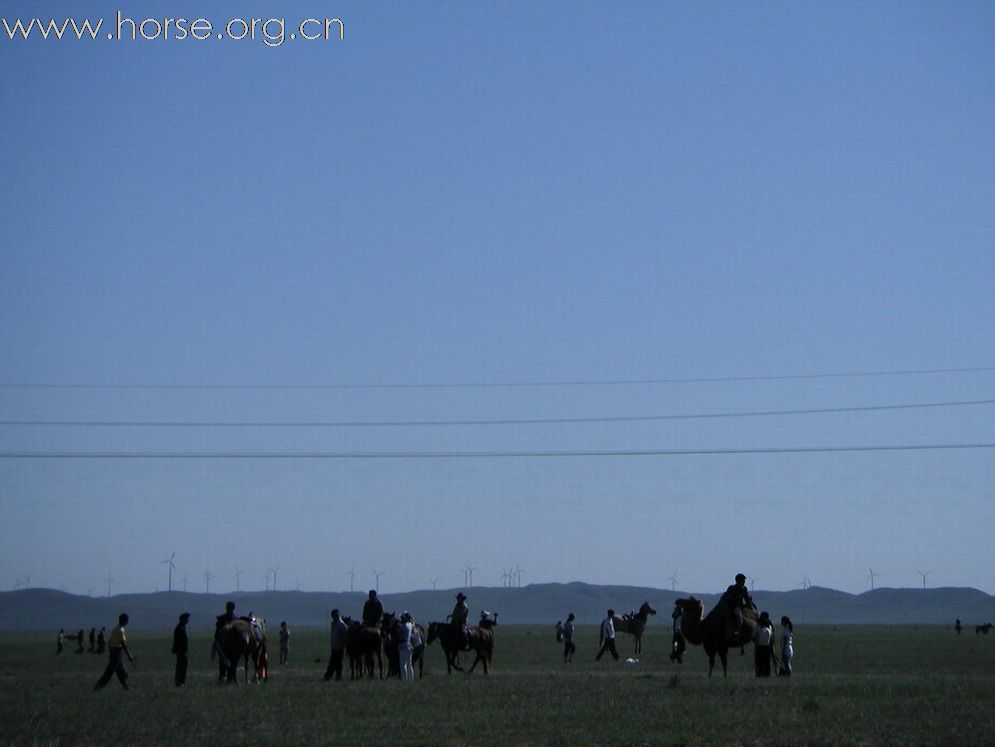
753 582
435 584
109 582
518 574
238 579
505 577
377 574
207 580
352 579
924 577
806 583
673 582
274 570
871 576
172 567
468 575
184 582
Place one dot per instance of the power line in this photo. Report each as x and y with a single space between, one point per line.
497 384
501 421
486 454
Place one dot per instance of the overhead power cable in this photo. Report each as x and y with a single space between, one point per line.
483 454
497 384
499 421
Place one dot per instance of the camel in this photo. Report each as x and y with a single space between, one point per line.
634 624
712 631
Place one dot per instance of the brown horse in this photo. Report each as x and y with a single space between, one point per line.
634 624
239 641
983 628
362 644
479 639
713 632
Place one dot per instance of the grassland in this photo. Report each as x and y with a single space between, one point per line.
852 685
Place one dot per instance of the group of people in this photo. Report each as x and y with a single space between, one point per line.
732 604
98 642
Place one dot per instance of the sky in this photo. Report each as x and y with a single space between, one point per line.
615 219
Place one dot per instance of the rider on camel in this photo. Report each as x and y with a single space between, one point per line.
373 611
735 599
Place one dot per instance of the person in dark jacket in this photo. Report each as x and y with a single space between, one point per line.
219 622
339 633
373 611
180 648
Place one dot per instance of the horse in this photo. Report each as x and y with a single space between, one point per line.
983 628
239 640
713 632
479 639
389 632
362 643
634 624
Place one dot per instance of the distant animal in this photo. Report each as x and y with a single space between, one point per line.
237 641
983 628
479 639
634 624
712 632
362 644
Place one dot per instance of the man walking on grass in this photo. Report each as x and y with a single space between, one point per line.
608 637
118 645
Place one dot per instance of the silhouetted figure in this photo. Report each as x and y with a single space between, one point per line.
101 641
763 645
787 646
734 600
372 610
677 644
957 625
93 641
568 639
60 643
180 649
284 642
118 645
80 637
219 622
461 611
339 633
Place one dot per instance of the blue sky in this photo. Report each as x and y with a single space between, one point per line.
474 193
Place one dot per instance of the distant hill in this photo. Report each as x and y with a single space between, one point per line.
47 609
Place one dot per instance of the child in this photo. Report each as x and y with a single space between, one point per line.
787 646
262 664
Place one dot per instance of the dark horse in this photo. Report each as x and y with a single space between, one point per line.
362 644
983 628
634 624
239 641
713 632
479 639
389 627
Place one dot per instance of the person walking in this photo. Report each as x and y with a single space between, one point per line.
80 637
180 648
118 645
93 641
284 642
568 639
60 642
102 640
763 645
339 633
787 646
607 637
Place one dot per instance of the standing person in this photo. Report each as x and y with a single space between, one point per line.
60 642
80 637
118 645
559 631
568 639
339 633
461 611
678 644
607 637
219 622
93 641
763 645
180 647
373 611
787 646
957 625
101 640
284 642
404 648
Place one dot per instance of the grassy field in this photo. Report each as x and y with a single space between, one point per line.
852 685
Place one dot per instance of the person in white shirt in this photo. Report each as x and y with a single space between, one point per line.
607 637
404 647
763 645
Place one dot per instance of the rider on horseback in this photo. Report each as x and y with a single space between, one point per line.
460 614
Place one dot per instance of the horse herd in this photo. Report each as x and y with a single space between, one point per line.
243 641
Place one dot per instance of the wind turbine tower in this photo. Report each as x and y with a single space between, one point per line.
923 577
377 574
172 567
871 576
